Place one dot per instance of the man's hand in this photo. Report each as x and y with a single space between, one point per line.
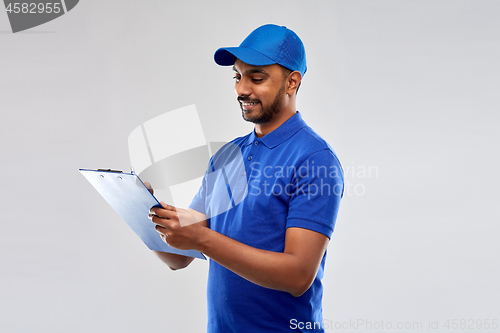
174 261
150 188
178 227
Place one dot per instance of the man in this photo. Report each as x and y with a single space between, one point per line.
268 251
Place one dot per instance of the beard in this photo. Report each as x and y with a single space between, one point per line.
267 113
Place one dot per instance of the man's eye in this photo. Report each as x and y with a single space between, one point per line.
257 80
237 78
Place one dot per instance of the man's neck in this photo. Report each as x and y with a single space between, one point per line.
277 121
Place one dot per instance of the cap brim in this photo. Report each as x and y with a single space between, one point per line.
226 56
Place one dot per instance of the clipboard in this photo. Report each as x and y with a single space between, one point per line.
131 199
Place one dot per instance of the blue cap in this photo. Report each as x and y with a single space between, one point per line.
267 45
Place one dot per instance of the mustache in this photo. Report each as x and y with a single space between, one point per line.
247 100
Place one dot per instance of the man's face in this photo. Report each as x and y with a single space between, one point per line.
260 90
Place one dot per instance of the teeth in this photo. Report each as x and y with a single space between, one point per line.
248 103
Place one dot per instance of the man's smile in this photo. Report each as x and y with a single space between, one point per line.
248 105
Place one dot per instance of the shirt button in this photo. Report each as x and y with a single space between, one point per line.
244 173
250 157
256 143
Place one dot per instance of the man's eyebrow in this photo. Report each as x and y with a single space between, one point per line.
256 70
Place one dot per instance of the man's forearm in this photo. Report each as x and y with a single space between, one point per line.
292 270
174 261
288 271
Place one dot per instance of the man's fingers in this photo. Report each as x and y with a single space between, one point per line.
163 233
164 238
158 220
150 188
161 229
167 206
165 219
163 212
166 211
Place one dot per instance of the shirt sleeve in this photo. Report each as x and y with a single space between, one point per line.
317 187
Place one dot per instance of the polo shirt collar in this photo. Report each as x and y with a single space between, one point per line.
281 134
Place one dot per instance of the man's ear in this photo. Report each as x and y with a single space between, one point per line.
293 82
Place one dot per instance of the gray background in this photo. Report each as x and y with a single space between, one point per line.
409 88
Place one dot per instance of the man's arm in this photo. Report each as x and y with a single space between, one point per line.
292 271
174 261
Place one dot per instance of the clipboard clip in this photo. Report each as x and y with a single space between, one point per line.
110 170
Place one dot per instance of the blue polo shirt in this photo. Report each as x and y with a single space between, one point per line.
254 189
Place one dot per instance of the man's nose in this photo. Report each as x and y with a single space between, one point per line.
243 88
